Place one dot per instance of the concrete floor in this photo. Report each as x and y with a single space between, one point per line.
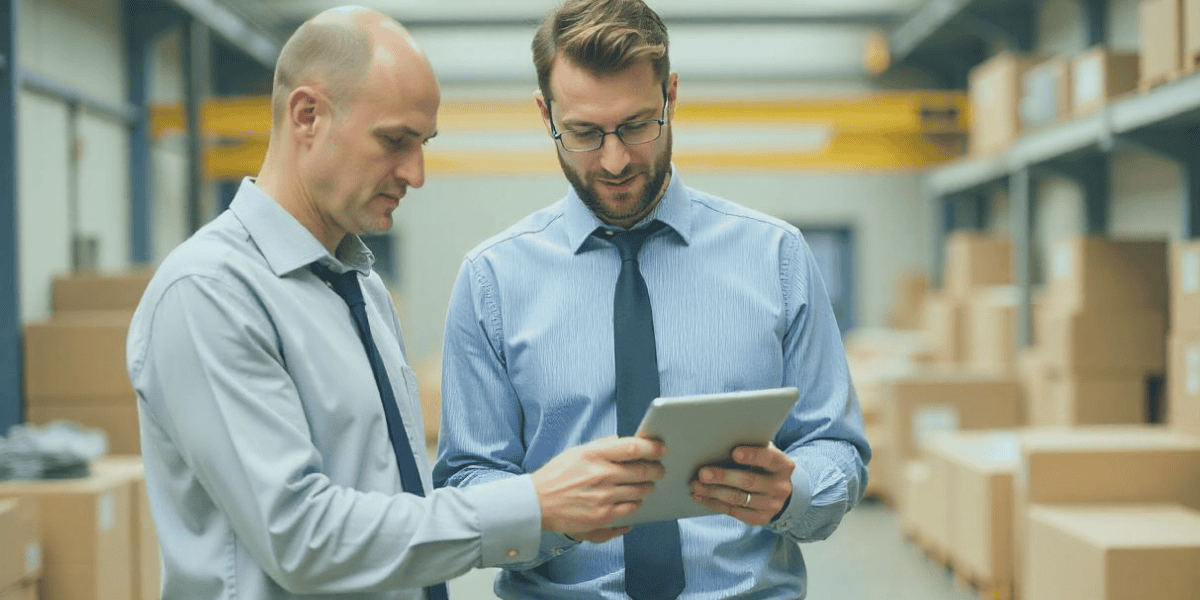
866 559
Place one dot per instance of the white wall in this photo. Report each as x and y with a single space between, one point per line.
77 43
437 224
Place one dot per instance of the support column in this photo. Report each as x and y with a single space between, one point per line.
11 381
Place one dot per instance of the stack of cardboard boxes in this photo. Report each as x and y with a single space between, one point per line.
1183 375
94 538
1170 40
20 549
975 264
75 361
1101 332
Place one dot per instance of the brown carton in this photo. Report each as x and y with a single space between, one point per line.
945 329
1191 35
995 91
77 357
1096 464
1185 287
145 567
992 327
1079 399
20 542
976 260
99 291
1112 341
1100 75
1047 94
1161 26
21 591
981 466
931 403
1113 552
1087 273
85 526
1183 383
116 416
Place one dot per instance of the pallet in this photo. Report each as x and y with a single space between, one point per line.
982 587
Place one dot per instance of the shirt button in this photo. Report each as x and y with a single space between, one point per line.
512 553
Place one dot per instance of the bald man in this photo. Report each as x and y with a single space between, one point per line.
280 424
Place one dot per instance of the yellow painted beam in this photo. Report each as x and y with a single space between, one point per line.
886 113
845 152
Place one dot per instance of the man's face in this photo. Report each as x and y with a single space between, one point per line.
374 151
620 184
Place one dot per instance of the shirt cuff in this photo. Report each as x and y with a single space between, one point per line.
510 520
799 503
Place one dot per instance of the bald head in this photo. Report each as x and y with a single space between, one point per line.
334 52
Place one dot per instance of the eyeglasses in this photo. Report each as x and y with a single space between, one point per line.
630 134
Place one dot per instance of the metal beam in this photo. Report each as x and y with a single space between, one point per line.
122 113
1020 194
144 25
197 52
10 284
248 37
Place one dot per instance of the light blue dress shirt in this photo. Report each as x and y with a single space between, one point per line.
268 464
738 305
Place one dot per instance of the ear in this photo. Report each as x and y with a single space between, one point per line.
305 113
672 89
543 109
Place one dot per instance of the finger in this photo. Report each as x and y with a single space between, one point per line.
633 492
727 495
599 536
768 458
628 449
745 515
735 478
640 471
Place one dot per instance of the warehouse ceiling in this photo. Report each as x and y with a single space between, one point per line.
487 41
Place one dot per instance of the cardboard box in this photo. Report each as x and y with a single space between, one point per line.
117 417
1078 399
908 296
21 591
99 291
924 405
1117 342
1100 75
995 92
1191 35
1185 287
992 328
1114 552
944 326
85 526
1089 272
146 564
976 260
1047 93
913 489
1100 464
20 542
1161 27
1183 383
79 356
1035 373
980 470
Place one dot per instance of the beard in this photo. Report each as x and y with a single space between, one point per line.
612 212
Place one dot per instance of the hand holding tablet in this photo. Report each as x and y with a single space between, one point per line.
703 430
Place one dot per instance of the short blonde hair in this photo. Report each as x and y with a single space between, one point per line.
602 36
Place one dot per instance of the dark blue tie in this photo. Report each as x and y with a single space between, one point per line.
653 558
346 286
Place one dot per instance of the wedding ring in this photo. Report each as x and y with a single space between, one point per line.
747 502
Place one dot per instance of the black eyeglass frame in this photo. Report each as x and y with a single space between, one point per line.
617 132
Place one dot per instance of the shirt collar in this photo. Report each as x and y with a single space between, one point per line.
285 243
674 209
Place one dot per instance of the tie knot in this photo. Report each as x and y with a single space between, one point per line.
345 284
629 243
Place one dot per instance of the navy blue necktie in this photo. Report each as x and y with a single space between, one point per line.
653 558
346 286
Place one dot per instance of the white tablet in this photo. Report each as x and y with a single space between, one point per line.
703 430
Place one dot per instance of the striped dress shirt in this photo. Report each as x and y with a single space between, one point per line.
738 305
